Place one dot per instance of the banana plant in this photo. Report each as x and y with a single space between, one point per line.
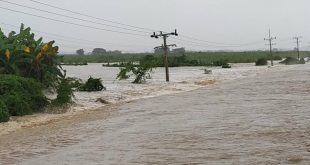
22 54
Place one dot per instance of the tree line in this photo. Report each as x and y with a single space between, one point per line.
98 51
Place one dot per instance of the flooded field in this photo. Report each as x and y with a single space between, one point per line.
251 115
182 79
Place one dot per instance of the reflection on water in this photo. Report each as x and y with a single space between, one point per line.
263 119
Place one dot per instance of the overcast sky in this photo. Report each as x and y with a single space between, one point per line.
228 24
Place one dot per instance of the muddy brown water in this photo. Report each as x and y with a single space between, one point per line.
255 120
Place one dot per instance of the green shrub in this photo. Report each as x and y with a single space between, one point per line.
92 84
261 62
21 96
64 93
17 105
4 114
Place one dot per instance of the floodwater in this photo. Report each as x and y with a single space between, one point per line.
257 118
182 79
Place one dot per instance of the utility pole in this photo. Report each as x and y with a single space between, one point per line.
297 42
270 39
165 48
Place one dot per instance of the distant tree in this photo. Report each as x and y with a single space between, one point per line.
80 52
99 51
115 52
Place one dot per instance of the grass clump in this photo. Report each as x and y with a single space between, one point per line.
261 62
92 84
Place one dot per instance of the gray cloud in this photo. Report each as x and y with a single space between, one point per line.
220 21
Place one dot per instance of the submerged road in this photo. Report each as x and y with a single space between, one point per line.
255 120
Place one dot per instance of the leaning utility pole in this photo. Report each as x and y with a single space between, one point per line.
165 48
297 42
270 39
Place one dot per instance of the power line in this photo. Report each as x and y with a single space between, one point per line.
106 20
108 44
218 43
81 14
71 23
75 18
215 46
62 36
76 40
89 16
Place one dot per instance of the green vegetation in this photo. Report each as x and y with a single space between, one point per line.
21 54
261 62
74 82
4 112
64 93
92 84
292 61
141 72
190 58
27 66
21 96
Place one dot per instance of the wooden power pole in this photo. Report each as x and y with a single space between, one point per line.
270 39
297 42
165 48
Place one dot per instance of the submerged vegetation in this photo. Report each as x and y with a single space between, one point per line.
91 85
261 62
142 71
292 61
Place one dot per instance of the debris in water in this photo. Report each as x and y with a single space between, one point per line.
102 101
